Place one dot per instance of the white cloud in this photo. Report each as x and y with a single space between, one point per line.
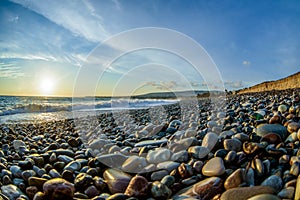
80 17
246 62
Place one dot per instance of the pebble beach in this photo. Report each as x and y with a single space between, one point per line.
249 149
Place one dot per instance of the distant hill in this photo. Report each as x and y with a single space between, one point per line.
290 82
170 95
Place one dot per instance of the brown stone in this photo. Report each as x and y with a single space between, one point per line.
59 189
235 179
138 187
244 193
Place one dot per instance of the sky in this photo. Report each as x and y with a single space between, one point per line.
103 48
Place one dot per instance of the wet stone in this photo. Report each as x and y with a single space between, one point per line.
138 187
214 167
59 189
264 197
273 181
264 129
91 191
210 140
160 191
36 181
11 191
158 175
198 152
117 181
73 166
286 193
158 155
235 179
232 145
293 127
244 193
83 180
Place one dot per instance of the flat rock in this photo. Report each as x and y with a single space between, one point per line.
214 167
112 160
264 197
264 129
168 165
134 164
151 143
244 193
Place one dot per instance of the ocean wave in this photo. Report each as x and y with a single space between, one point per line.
81 105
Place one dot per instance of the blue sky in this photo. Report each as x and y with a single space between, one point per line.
249 41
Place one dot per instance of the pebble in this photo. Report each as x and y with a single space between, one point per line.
297 191
214 167
208 188
264 129
36 181
232 145
293 127
273 181
244 193
112 160
271 138
59 189
73 166
286 193
11 191
134 164
91 191
117 181
160 191
210 140
198 152
151 143
235 179
158 155
17 144
138 187
83 180
264 197
168 165
158 175
168 180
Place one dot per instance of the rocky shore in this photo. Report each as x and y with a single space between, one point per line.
249 149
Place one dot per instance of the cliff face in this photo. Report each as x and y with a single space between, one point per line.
289 82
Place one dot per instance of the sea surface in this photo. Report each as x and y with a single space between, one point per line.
14 109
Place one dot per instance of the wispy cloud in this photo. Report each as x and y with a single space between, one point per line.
10 71
234 84
80 17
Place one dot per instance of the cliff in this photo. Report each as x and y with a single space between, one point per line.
290 82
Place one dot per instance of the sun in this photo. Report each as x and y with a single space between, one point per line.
47 86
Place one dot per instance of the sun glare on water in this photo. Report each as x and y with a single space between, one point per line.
47 86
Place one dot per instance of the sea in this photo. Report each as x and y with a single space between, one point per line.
27 109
